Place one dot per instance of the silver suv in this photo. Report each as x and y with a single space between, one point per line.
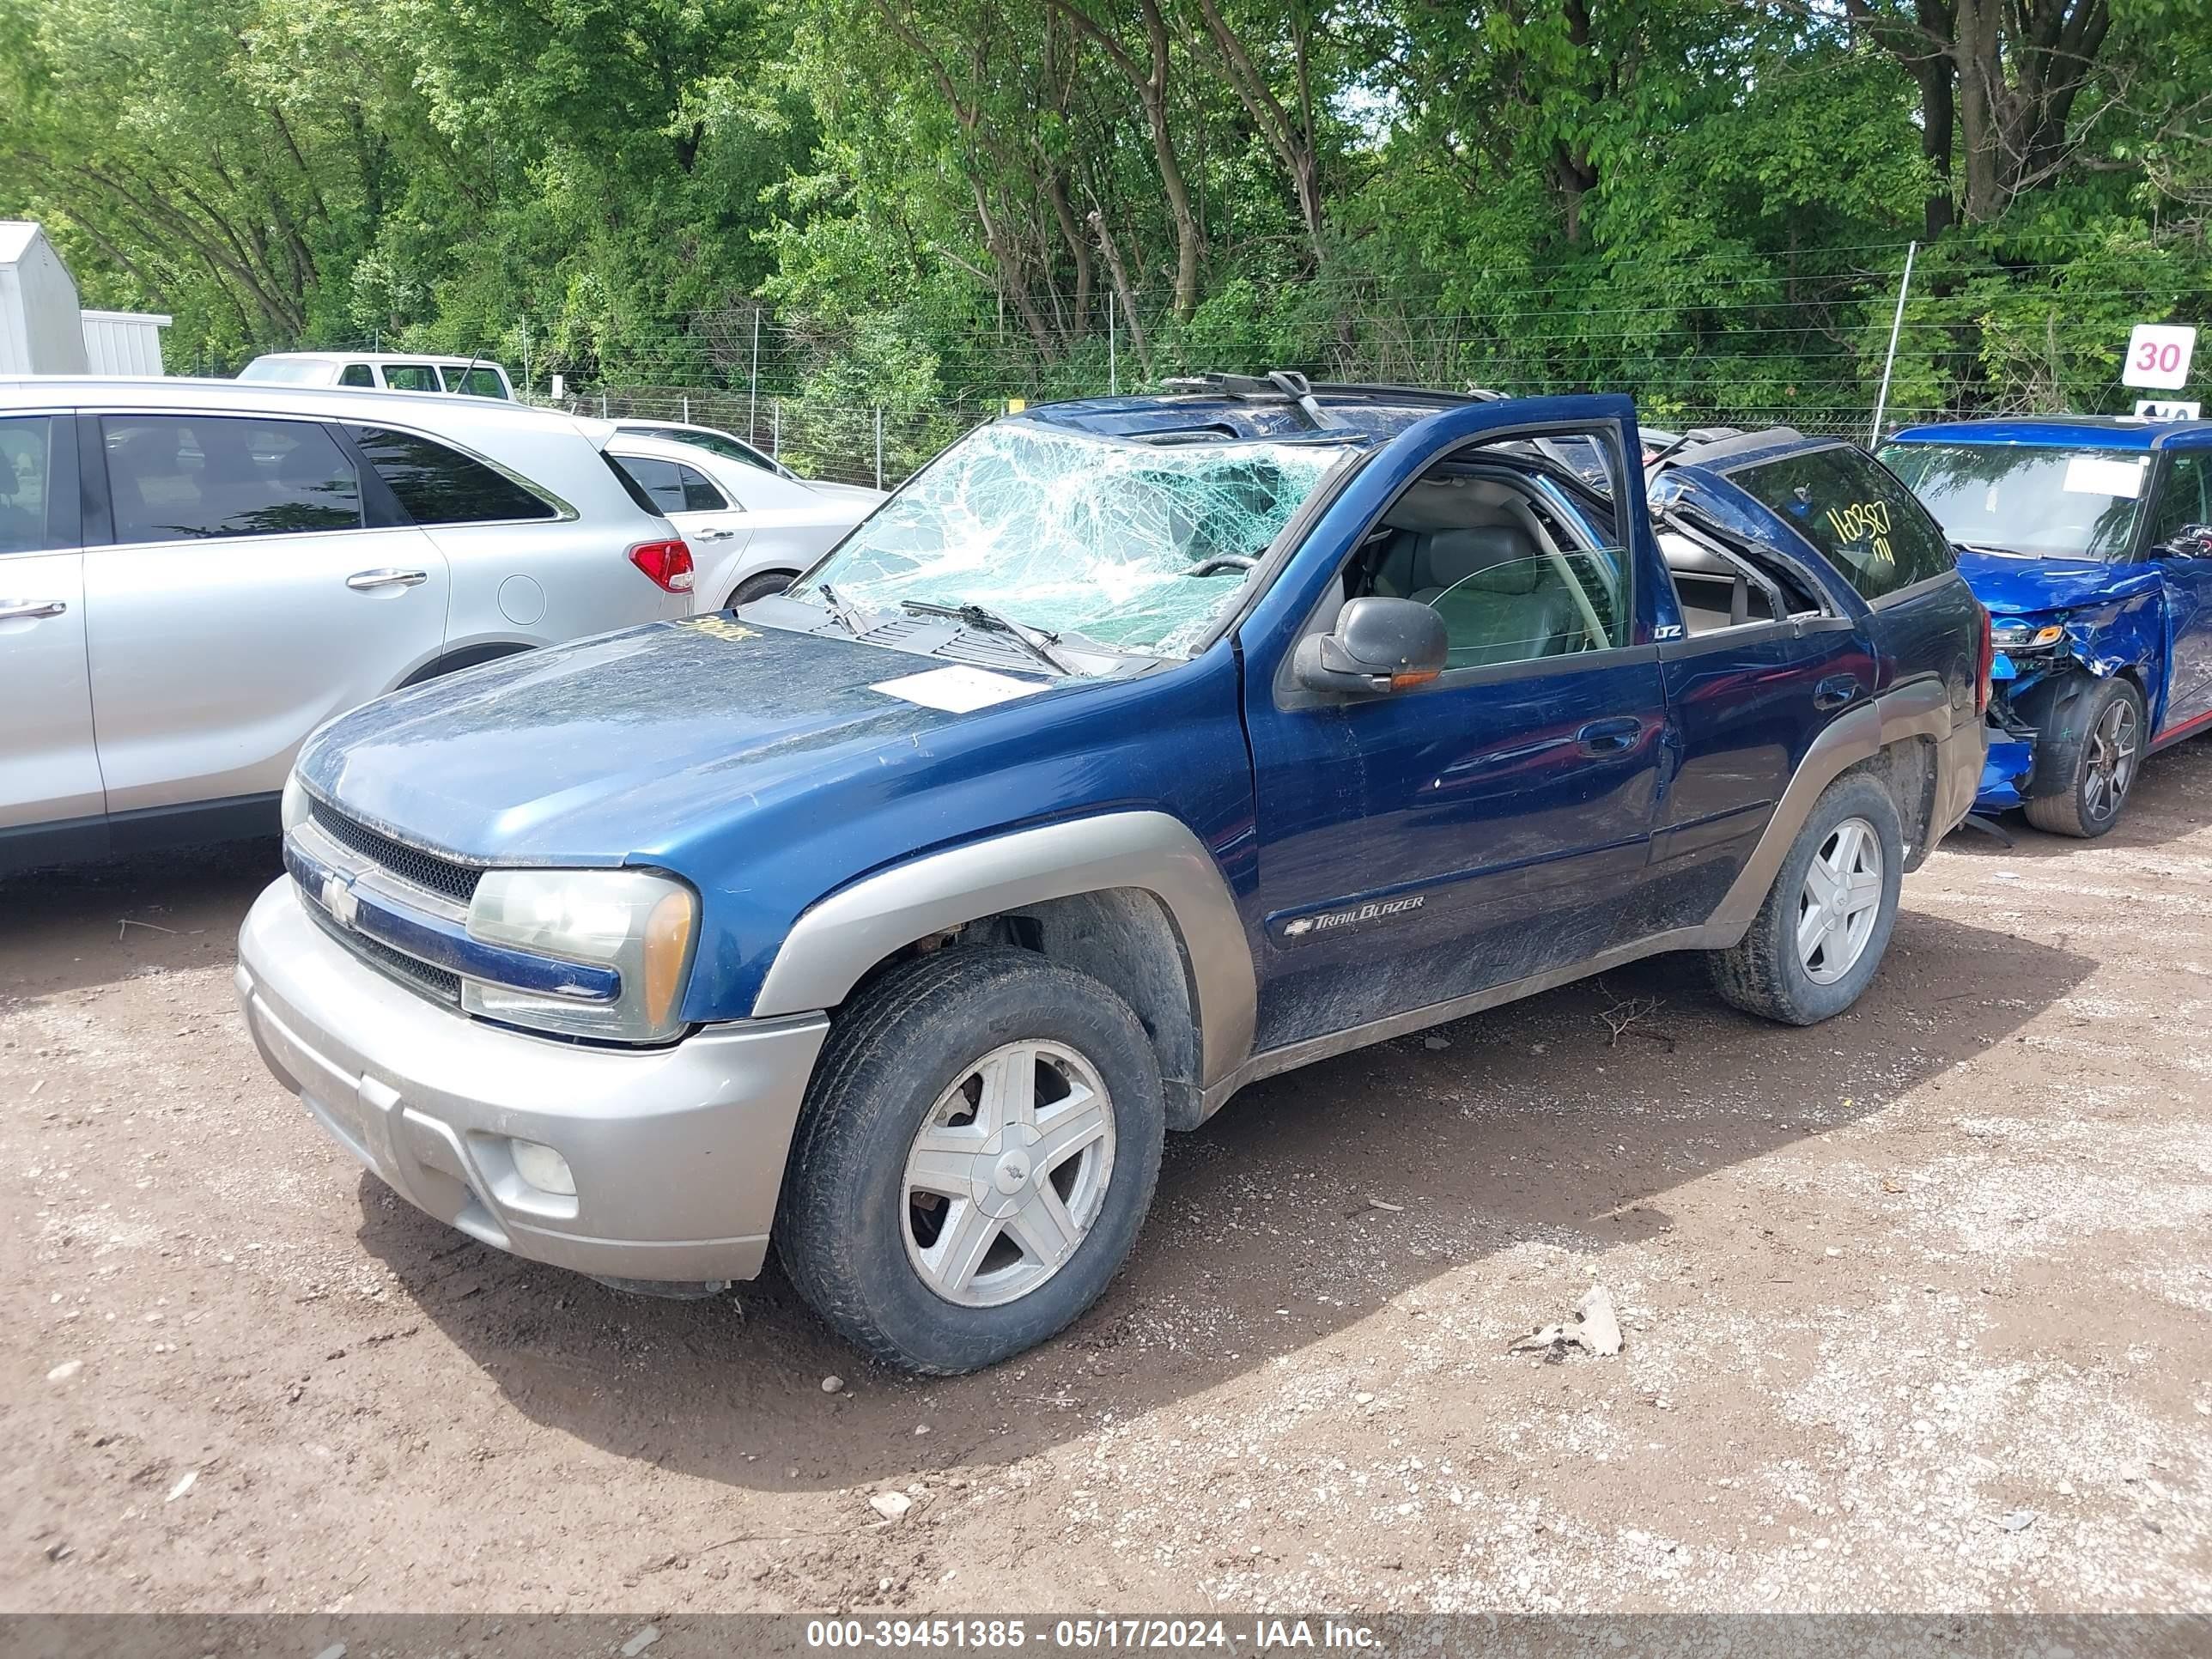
195 575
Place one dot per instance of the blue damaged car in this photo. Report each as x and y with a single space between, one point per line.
1137 749
2090 541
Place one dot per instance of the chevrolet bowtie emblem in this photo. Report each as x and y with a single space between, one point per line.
339 899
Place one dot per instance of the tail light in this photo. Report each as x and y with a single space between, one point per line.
669 564
1986 661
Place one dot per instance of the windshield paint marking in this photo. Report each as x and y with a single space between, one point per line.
2094 475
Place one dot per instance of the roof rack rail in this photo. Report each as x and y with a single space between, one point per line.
1703 445
1276 383
1257 386
1477 394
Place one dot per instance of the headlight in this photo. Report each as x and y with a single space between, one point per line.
2024 636
641 926
294 811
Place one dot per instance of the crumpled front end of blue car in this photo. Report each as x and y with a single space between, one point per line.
2054 625
2041 660
2027 652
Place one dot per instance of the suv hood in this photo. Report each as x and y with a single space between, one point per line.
563 757
2012 585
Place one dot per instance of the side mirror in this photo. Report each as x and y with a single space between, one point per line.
2191 541
1379 645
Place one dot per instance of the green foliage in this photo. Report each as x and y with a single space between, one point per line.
932 205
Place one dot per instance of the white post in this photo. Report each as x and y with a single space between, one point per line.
879 446
603 405
752 407
1113 364
1881 400
525 360
775 428
687 408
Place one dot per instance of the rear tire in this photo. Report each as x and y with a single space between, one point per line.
977 1152
1818 940
2097 750
759 588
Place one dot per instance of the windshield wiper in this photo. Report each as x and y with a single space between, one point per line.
1221 561
842 611
1039 644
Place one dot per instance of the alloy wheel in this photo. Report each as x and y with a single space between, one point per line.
1840 902
1008 1173
2110 766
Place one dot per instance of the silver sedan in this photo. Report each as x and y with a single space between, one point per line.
750 530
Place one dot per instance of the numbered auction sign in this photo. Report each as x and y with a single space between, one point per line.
2158 356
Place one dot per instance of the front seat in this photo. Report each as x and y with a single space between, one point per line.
1499 596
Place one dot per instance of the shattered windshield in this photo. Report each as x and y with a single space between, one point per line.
1130 546
2022 498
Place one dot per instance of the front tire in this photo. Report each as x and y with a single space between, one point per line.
977 1152
2096 749
1819 938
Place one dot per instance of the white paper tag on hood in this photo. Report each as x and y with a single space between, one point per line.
957 690
2096 475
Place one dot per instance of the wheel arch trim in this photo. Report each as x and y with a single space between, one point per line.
839 938
1919 709
455 659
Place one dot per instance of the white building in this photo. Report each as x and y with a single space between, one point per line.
39 333
123 342
43 331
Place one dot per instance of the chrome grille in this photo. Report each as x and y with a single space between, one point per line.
416 975
425 870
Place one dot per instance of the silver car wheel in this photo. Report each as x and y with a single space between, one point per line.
1840 902
1008 1173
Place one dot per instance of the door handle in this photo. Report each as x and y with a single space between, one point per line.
368 581
18 609
1610 737
1837 691
714 533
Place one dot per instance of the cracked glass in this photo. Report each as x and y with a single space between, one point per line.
1098 539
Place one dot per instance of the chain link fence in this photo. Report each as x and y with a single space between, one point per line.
868 395
881 447
857 444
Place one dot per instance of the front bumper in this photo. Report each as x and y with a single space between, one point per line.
2011 761
2005 774
678 1153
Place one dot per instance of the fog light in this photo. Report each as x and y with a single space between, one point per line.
543 1167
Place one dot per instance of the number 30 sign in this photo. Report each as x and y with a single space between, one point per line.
2158 356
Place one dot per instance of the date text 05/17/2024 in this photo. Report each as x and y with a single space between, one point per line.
1262 1636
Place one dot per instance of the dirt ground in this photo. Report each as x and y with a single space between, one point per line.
1918 1310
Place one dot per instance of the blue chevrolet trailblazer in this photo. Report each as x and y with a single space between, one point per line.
2090 541
1136 749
